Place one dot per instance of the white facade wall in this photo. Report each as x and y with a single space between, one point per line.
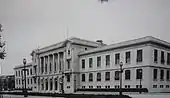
147 81
19 77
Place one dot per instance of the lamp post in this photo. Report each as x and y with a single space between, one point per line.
24 70
140 80
121 71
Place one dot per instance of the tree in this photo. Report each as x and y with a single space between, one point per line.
2 45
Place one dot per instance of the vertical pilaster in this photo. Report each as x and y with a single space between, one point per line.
44 64
53 63
48 64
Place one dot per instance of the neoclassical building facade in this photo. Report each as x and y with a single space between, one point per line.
77 64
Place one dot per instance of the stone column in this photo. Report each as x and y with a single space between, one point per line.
53 63
44 64
48 65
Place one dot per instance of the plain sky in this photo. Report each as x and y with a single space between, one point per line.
29 24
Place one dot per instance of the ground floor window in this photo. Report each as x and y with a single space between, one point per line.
90 86
161 86
117 86
51 84
98 86
167 86
83 86
56 84
46 84
154 86
138 86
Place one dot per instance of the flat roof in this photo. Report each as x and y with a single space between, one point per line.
127 44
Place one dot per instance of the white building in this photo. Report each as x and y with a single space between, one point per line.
77 63
146 59
59 63
19 76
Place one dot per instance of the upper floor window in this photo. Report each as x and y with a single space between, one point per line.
68 52
127 74
162 75
50 67
107 76
27 72
116 75
128 57
139 55
90 62
139 74
16 74
107 60
83 63
155 74
68 78
99 61
168 58
83 78
46 67
167 75
31 71
98 76
117 58
90 77
162 57
155 55
55 66
19 73
68 64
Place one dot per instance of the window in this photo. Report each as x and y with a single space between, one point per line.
46 67
107 86
50 67
83 86
85 48
161 86
155 55
31 71
56 84
98 86
139 74
167 86
90 77
19 73
116 75
68 78
90 86
16 73
139 56
128 57
68 64
107 76
154 86
42 85
117 58
155 73
127 74
99 61
42 65
127 86
28 72
167 75
28 81
162 75
107 60
83 63
117 86
68 52
90 62
55 66
19 81
31 80
83 78
168 58
138 86
35 69
98 76
162 57
46 84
